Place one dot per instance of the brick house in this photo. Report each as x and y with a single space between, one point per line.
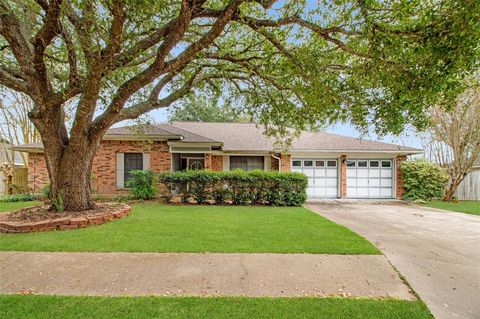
336 166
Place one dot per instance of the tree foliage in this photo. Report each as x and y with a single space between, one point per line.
423 180
201 108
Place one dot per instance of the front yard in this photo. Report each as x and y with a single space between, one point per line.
164 228
466 206
11 206
15 306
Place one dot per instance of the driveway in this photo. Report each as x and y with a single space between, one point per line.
438 252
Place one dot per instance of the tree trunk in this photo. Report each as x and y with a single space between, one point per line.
452 186
69 173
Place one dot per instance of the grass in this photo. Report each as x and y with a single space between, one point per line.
165 228
11 206
38 306
466 206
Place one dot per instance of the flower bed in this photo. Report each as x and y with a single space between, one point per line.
39 218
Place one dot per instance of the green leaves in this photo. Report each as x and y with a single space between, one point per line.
423 180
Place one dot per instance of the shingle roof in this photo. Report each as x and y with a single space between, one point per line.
249 136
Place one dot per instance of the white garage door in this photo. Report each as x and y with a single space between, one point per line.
370 178
322 176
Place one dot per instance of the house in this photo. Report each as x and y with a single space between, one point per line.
469 188
336 166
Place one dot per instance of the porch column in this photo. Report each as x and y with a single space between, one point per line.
399 181
343 176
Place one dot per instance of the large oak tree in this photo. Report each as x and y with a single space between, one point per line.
293 63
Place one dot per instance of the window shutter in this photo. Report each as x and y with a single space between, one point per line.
120 170
267 164
146 161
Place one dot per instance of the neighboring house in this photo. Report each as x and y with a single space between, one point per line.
469 188
7 156
336 166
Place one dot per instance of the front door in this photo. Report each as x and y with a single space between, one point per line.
195 163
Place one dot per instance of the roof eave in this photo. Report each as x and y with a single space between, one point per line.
143 137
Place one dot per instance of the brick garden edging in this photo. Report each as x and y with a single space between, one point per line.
63 223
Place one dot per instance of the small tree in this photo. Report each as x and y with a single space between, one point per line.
454 137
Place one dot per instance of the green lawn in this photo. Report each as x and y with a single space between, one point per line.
36 306
165 228
8 207
466 206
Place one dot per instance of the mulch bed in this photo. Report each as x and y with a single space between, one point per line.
40 218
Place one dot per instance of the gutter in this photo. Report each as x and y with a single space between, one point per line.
279 161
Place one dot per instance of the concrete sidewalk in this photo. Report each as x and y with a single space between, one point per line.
199 274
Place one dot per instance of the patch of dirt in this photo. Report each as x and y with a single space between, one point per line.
41 213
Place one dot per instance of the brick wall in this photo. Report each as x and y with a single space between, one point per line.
285 162
104 178
37 172
214 162
399 161
343 176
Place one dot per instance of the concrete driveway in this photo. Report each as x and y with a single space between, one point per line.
438 252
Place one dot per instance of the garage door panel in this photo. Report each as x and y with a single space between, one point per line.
362 172
386 182
386 173
319 192
330 182
374 182
362 192
351 191
374 173
386 192
319 182
331 191
374 191
370 178
331 172
362 182
351 182
308 171
322 176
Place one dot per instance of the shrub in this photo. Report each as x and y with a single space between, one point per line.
238 186
142 184
27 197
423 180
46 191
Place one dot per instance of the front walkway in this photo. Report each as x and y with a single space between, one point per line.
199 274
438 252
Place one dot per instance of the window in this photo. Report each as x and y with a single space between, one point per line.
247 163
132 161
308 163
374 164
362 163
332 163
386 164
350 163
320 163
296 163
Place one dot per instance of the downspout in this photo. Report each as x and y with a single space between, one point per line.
279 162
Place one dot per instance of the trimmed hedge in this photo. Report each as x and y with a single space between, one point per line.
240 187
423 180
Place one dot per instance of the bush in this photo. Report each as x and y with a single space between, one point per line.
423 180
19 198
143 184
238 186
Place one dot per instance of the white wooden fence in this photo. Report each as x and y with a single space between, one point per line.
469 188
